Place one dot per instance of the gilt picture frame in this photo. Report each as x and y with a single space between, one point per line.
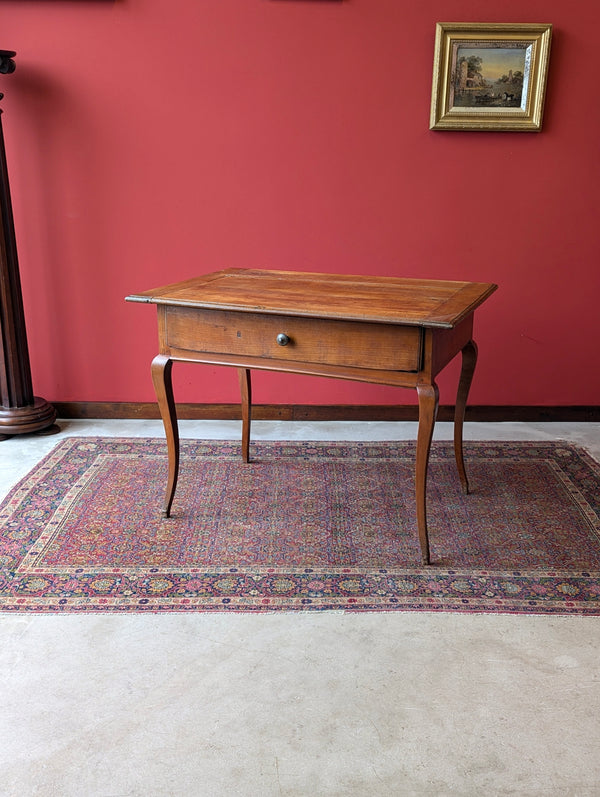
489 76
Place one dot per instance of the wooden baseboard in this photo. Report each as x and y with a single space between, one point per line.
337 412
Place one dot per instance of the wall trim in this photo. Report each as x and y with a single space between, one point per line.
318 412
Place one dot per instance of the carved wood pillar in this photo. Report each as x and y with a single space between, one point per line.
20 410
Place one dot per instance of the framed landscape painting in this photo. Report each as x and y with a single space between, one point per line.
489 76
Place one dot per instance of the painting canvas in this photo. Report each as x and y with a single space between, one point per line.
489 76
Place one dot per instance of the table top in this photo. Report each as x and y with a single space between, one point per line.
395 300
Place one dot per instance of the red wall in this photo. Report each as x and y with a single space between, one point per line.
151 141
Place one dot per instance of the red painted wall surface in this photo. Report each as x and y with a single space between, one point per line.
151 141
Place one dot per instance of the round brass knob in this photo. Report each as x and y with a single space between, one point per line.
282 339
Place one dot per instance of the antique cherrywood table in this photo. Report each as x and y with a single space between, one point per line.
386 330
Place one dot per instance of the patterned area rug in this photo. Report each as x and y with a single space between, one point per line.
303 526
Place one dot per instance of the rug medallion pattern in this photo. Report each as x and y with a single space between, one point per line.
304 526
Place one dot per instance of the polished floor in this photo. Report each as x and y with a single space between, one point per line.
301 704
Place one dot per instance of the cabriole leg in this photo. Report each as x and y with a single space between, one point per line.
428 406
469 361
246 391
163 387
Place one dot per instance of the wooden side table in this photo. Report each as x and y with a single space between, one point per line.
384 330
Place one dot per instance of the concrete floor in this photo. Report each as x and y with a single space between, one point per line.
297 704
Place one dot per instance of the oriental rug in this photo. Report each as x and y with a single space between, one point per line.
304 526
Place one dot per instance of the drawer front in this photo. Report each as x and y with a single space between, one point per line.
324 341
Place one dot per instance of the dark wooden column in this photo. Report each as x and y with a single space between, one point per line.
20 411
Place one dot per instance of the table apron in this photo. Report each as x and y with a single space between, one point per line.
398 355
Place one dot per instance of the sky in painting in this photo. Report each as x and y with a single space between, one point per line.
497 61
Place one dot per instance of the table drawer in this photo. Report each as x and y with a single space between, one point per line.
324 341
